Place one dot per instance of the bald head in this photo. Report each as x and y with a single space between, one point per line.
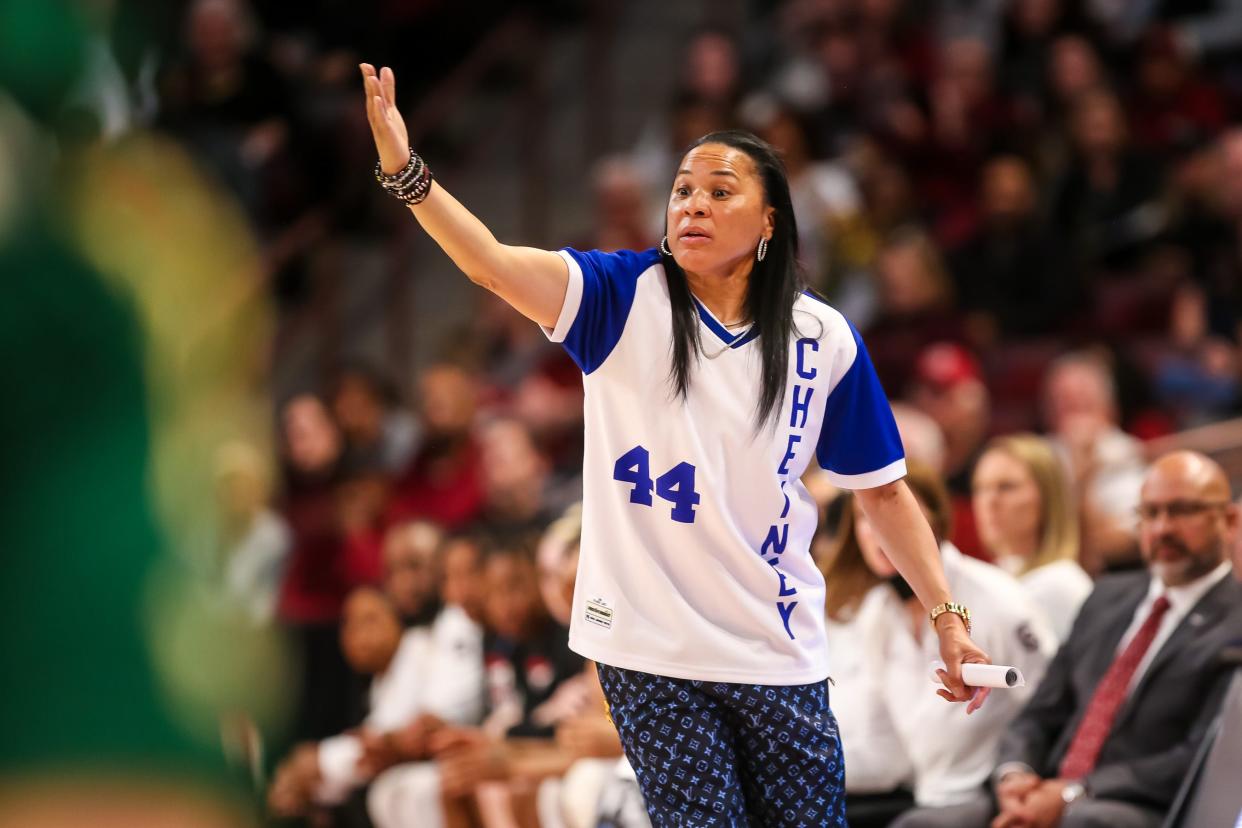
1186 518
1193 470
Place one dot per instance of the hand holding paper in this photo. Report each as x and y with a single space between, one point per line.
986 675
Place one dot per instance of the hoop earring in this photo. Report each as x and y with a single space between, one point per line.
664 247
763 250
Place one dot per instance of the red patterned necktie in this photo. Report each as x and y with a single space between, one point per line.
1097 722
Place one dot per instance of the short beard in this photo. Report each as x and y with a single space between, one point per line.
1194 566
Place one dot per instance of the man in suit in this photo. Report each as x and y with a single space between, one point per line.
1113 727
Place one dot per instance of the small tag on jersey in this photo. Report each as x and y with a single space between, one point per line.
599 613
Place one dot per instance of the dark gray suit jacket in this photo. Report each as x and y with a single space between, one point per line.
1159 726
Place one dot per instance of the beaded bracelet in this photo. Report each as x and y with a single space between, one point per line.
411 184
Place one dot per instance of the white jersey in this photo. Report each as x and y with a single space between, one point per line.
696 527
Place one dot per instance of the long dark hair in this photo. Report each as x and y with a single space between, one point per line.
774 283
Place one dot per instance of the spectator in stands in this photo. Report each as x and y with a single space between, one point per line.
1013 277
1105 202
622 218
887 204
462 573
226 98
882 651
949 388
515 479
533 681
1211 231
1174 108
556 558
444 481
916 304
1074 69
410 570
712 68
254 540
588 750
966 117
1111 731
238 114
1105 464
314 587
361 500
401 759
1028 522
1195 375
840 114
1029 30
824 194
378 432
921 437
428 673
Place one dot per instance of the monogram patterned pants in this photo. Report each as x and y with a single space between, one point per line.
738 755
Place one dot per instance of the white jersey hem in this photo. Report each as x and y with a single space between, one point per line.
868 480
690 672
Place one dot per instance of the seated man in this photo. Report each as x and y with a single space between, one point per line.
1111 731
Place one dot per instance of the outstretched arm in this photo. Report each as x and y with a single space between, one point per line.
533 281
910 545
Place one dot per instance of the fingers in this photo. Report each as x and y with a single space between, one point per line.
368 95
954 685
388 85
981 695
374 97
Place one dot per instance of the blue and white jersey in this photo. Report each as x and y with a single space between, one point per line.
696 528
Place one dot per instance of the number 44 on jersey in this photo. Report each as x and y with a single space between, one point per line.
676 485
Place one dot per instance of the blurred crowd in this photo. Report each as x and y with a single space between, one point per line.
1032 209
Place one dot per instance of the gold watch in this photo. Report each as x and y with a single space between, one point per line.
949 606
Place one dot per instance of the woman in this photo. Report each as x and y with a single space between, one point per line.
695 592
881 652
1027 523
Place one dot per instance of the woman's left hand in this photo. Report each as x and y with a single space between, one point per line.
957 649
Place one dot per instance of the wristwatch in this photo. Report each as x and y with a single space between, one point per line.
1072 791
949 606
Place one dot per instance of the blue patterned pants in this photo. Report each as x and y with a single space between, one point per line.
719 754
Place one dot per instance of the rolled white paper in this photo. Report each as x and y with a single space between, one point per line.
986 675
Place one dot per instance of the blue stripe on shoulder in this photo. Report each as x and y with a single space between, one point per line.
859 434
609 281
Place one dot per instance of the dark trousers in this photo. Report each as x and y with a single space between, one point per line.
722 754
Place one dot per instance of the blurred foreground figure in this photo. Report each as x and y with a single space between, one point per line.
124 312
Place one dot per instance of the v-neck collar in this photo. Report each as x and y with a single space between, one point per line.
733 340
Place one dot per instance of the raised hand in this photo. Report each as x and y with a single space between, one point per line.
392 141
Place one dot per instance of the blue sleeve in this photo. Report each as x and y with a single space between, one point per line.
859 445
597 302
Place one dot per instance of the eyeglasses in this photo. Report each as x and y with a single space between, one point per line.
1178 509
